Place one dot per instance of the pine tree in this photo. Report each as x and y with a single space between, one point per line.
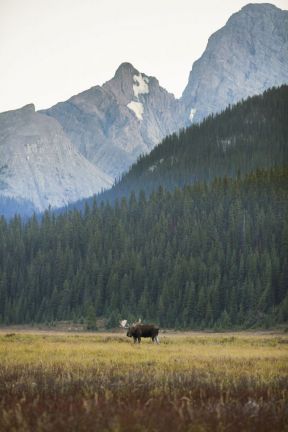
91 318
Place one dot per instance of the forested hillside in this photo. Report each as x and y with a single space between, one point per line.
207 255
250 135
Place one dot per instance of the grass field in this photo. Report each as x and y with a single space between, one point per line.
102 382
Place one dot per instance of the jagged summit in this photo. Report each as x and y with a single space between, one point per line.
113 124
28 108
124 69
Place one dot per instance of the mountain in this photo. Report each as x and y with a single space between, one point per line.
245 57
78 147
111 125
39 165
251 135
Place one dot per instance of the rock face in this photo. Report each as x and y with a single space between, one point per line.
39 164
111 125
245 57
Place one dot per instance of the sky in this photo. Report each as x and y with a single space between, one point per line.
53 49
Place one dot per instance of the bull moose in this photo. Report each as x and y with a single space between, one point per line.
138 330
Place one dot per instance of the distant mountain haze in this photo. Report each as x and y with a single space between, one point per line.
39 164
78 147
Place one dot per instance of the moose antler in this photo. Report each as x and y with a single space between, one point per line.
137 322
123 324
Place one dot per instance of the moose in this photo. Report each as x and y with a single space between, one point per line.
138 330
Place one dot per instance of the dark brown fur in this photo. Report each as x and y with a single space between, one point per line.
138 331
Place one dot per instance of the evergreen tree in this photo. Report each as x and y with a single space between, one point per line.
91 318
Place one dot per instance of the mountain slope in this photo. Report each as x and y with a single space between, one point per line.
251 135
245 57
39 164
113 124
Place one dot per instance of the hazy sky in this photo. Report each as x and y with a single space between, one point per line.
52 49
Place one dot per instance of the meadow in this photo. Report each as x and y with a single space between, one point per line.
192 382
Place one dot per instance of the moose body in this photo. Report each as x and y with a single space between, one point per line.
137 331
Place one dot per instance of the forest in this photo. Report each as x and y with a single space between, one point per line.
250 135
195 235
208 255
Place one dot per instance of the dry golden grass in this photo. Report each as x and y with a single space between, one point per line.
191 382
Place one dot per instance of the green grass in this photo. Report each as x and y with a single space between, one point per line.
190 382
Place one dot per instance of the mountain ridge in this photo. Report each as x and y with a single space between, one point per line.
39 163
114 124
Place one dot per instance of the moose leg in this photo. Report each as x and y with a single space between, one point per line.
157 340
135 339
139 339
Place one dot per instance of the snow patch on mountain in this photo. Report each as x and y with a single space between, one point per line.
113 124
141 85
137 108
192 114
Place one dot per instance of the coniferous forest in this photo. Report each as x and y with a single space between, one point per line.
203 243
248 136
207 255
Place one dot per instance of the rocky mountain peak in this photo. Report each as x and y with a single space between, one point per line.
114 123
40 165
128 84
245 57
20 112
259 17
257 8
125 69
28 108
